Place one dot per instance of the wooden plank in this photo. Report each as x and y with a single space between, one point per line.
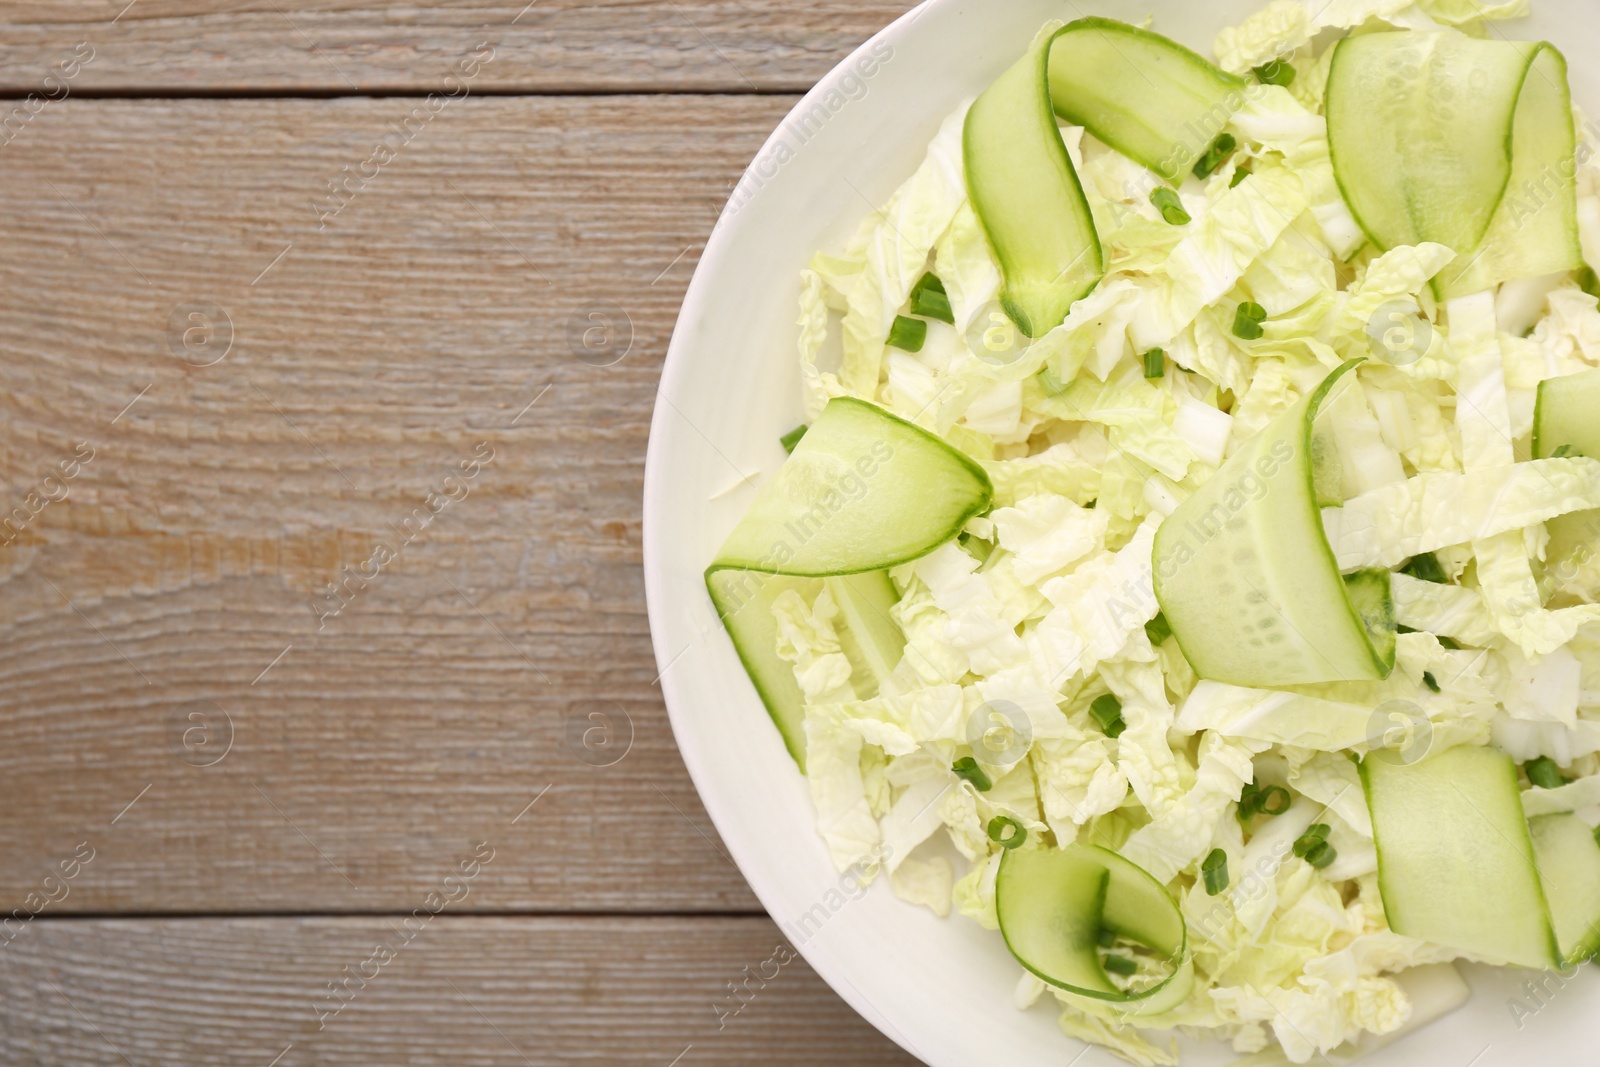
474 991
185 46
181 584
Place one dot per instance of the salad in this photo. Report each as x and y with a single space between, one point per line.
1190 569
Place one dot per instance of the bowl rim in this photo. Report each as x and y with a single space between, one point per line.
674 367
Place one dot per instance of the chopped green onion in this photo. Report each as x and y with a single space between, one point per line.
1430 681
967 768
1215 872
1106 938
1239 176
1270 800
1427 568
998 827
1588 281
1314 834
1450 643
1107 711
1247 321
929 299
1250 802
1155 363
1171 208
1158 629
1121 965
792 438
1320 855
1544 773
1566 452
1276 73
908 334
1215 156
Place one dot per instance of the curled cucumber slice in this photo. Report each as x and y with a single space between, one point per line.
862 491
1468 143
1455 860
1564 421
868 635
743 600
1246 578
1145 95
1569 866
1026 194
1054 903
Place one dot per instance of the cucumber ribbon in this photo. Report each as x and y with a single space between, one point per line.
1054 904
1246 578
1467 143
1144 95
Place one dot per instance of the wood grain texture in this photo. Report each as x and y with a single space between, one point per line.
175 589
473 992
561 46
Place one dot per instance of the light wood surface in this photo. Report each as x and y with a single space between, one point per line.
341 46
473 992
219 792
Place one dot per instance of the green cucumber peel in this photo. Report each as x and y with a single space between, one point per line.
1147 96
1246 578
1028 197
864 490
1053 905
1456 861
1468 143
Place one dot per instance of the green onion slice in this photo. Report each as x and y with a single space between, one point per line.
1320 855
1007 832
1155 363
929 299
1171 208
1430 681
908 334
967 768
1216 155
1158 629
792 438
1247 321
1121 965
1544 773
1107 711
1275 800
1215 872
1239 176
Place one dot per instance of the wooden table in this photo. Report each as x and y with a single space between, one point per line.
329 725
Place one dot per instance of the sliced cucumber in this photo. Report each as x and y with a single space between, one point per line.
863 491
1534 232
1028 197
871 639
1433 136
1245 576
744 601
1564 417
1148 97
1053 904
1569 863
1455 860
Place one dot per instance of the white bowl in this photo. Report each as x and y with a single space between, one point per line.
941 988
